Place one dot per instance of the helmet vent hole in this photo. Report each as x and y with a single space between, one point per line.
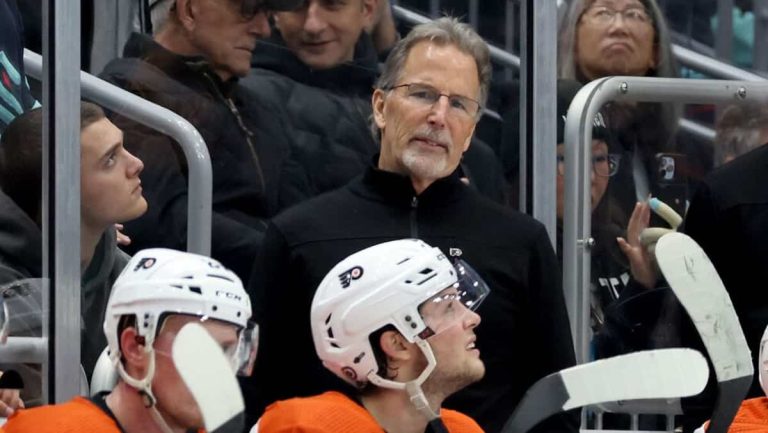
427 279
196 289
328 319
214 308
425 271
221 277
403 261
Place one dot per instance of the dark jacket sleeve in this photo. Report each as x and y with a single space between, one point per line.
235 237
553 342
279 311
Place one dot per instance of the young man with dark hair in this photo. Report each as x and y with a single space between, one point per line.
110 193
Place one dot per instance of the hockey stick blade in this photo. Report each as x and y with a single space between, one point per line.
700 290
209 377
661 373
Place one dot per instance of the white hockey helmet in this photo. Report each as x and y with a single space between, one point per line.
158 282
386 284
762 362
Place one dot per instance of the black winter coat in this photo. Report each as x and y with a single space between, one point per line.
247 143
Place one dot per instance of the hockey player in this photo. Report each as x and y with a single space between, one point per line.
397 321
158 293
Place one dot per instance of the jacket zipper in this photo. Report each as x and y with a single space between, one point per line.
249 138
414 226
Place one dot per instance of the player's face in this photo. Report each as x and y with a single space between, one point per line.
458 359
174 400
109 177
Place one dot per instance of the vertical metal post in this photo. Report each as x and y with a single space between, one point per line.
724 39
434 9
61 204
760 49
538 84
510 28
474 18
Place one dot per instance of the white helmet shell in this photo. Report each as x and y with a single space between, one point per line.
378 286
159 281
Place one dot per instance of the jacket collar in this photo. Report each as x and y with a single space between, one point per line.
190 67
397 188
356 77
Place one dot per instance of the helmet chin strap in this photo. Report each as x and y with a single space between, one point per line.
413 387
144 388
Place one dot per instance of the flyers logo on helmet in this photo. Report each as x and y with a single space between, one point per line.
347 276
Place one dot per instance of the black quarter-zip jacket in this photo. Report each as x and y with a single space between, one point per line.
524 334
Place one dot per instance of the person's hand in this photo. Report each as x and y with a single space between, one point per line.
382 27
122 238
10 402
641 262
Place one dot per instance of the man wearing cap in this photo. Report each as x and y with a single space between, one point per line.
191 66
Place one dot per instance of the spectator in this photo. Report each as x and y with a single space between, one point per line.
600 38
323 88
741 128
164 290
191 67
110 193
425 108
408 315
325 91
16 97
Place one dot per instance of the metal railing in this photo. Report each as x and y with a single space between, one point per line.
200 188
577 238
578 158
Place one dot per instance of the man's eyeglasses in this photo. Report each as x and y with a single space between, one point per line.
605 165
603 15
427 96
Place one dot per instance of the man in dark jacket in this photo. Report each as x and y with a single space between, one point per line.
426 106
191 67
319 68
728 217
324 89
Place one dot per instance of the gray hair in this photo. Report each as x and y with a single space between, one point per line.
442 31
567 68
740 128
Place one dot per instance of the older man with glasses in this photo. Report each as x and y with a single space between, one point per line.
191 66
425 109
